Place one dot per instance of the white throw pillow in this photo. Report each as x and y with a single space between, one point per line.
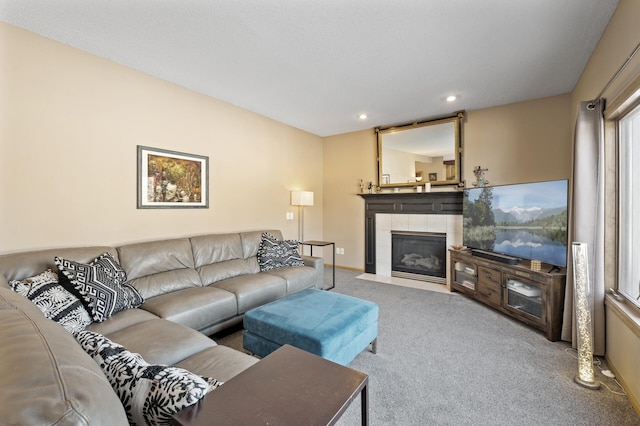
54 301
150 394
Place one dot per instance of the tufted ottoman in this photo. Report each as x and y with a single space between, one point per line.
331 325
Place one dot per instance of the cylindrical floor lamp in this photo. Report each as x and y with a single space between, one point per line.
301 199
584 326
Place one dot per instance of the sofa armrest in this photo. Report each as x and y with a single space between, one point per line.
45 376
314 262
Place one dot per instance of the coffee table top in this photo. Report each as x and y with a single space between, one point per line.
288 387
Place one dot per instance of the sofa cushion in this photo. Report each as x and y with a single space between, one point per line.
218 257
221 362
54 301
101 283
214 248
45 376
254 290
274 253
162 342
150 394
17 266
121 320
159 267
214 272
196 308
298 278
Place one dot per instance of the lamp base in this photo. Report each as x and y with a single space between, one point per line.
588 385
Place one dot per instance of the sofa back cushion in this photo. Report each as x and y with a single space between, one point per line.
251 244
218 257
18 266
159 267
45 376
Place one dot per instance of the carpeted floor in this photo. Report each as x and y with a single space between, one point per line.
444 359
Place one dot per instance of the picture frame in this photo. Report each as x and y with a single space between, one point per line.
171 179
433 176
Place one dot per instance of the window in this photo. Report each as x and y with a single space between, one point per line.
629 206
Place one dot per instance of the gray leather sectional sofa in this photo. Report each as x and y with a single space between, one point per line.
193 287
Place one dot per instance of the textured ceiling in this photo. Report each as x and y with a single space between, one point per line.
318 64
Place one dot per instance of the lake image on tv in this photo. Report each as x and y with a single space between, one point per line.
524 220
531 244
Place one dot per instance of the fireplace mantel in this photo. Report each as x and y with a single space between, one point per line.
448 203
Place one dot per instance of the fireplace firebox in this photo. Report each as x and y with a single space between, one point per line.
419 256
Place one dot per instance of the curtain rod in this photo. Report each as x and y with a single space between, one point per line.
592 104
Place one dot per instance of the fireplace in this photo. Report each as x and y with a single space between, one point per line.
419 255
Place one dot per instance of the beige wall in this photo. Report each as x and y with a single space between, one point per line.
618 41
347 158
70 126
522 142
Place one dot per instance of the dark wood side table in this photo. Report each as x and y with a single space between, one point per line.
287 387
314 243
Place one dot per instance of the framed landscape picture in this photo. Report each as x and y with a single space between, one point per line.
170 179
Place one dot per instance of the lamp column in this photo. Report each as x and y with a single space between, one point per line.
584 335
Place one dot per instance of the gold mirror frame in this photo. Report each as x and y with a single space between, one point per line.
437 142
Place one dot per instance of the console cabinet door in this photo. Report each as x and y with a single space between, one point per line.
463 275
525 298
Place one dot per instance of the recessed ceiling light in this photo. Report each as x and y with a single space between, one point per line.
362 116
451 98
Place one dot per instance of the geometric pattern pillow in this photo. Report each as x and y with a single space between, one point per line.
273 253
101 284
150 394
54 301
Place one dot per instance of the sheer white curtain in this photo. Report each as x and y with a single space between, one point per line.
587 217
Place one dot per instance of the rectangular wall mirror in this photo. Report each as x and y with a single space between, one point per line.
420 152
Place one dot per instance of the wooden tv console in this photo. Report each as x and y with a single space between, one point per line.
533 297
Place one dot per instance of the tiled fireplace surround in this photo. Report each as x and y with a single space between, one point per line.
449 224
438 212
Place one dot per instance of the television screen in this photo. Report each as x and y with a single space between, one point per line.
527 220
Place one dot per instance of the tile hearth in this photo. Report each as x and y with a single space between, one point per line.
421 285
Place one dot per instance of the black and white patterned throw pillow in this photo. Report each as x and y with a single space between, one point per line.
54 301
150 394
101 284
273 253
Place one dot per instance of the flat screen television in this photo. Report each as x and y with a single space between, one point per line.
526 220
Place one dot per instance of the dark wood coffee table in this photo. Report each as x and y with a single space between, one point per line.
288 387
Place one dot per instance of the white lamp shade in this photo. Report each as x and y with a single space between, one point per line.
301 198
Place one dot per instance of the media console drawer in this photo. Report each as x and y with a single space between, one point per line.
490 275
490 291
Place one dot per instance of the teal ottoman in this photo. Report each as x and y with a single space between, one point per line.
331 325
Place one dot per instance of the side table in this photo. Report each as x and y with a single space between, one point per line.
289 387
314 243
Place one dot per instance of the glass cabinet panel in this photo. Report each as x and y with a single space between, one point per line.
524 296
465 274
